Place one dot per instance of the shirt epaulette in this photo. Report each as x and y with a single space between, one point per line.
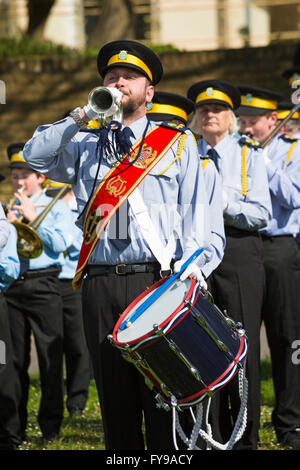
245 140
173 125
288 138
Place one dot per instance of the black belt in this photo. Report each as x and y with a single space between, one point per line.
237 232
121 269
35 273
272 237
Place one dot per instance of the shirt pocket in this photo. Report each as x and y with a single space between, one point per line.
160 185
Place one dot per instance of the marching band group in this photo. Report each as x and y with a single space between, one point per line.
205 169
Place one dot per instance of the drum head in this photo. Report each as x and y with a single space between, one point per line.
158 312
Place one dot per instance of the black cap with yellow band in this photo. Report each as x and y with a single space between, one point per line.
130 54
214 91
51 185
283 110
257 101
292 74
168 106
15 156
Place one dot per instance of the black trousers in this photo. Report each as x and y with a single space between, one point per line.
281 314
124 397
35 305
10 431
75 348
237 286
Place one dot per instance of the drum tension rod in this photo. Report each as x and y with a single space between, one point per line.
135 358
201 321
230 322
179 354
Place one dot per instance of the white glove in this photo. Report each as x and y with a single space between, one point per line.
192 270
225 199
90 113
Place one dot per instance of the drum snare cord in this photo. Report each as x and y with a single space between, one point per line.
238 430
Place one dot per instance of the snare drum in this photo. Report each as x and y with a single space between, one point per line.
185 347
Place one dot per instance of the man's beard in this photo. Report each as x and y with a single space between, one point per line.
133 104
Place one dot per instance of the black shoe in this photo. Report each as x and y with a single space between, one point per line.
7 446
50 436
268 425
75 412
291 439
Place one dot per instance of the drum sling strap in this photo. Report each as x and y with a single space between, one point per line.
118 184
163 253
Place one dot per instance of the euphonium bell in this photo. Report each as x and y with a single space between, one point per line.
106 102
29 244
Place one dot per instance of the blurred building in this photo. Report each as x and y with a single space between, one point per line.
186 24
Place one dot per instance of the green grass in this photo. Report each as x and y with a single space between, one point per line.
85 432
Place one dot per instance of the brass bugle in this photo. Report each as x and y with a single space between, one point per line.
29 244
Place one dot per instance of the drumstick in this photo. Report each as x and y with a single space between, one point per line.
157 293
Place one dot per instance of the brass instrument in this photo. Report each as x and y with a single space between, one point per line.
106 102
29 244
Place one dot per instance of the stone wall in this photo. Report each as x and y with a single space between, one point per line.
40 90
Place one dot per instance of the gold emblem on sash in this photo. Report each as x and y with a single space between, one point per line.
91 226
115 186
146 157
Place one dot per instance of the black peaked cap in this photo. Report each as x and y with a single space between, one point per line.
257 101
204 92
167 106
117 53
16 148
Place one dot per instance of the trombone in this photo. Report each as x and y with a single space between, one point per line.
29 244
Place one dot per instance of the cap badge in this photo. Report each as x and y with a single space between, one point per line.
209 91
295 76
248 97
122 55
20 155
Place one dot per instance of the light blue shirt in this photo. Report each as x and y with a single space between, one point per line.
4 228
53 232
214 192
74 244
284 184
253 210
173 191
9 260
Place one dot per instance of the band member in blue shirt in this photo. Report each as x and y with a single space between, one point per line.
122 267
74 344
281 315
34 300
237 283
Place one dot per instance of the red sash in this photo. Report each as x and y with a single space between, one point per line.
117 185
